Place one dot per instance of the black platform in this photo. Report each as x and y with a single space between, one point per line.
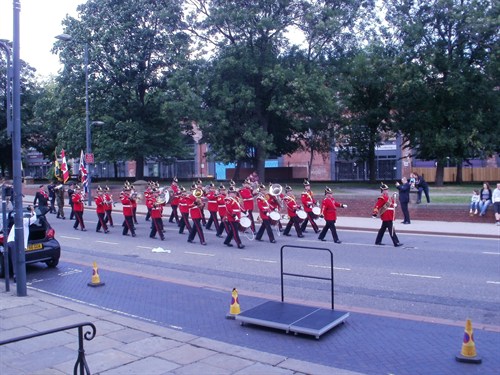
293 318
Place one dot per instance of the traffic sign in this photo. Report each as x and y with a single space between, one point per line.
89 158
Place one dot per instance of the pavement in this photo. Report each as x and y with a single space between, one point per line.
128 345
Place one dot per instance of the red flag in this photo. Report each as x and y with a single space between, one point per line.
64 167
83 171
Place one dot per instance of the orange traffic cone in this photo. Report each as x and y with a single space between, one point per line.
96 280
468 353
235 305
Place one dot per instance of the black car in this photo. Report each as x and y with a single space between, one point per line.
42 245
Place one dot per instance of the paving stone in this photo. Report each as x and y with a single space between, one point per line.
148 365
261 368
36 344
44 359
128 335
227 362
185 354
22 320
101 361
149 346
203 368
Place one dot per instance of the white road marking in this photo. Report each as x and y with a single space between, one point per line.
109 243
328 267
260 260
193 253
413 275
493 282
70 238
144 247
70 272
490 253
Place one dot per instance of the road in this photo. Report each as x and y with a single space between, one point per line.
433 276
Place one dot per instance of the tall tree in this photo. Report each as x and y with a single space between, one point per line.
448 90
135 48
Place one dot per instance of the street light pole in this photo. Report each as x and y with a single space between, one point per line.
16 158
87 124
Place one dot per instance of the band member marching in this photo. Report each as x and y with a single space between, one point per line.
199 185
233 215
176 195
265 210
108 199
292 207
128 214
156 216
196 213
247 195
150 198
184 203
100 203
133 201
77 199
212 207
385 208
329 212
221 208
147 196
308 202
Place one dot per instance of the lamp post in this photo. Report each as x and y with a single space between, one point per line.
88 151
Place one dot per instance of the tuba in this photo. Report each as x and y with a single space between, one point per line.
275 190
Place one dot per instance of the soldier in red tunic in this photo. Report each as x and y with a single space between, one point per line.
212 207
386 209
196 213
147 197
292 207
233 215
221 208
77 198
128 222
265 210
176 195
184 203
247 194
108 198
308 202
329 212
156 216
100 204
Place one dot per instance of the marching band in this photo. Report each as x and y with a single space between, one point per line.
230 211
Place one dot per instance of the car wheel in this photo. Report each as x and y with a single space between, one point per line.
52 263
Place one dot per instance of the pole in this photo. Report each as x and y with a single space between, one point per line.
16 159
87 124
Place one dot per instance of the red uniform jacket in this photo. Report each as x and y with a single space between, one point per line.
100 205
390 213
308 200
247 196
127 205
291 205
108 201
156 211
212 205
184 205
233 209
221 205
264 207
77 200
329 208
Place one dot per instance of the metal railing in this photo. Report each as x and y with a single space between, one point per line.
81 362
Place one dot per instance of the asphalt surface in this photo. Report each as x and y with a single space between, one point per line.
367 343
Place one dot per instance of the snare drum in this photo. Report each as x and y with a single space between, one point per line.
245 222
320 221
275 216
302 215
316 210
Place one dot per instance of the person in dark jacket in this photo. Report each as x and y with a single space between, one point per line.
422 186
404 198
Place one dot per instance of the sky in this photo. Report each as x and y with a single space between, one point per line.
39 23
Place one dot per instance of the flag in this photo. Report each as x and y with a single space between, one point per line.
64 167
57 168
83 172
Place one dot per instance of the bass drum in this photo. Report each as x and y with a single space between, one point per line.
245 223
316 210
302 215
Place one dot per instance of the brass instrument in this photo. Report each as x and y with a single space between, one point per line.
275 190
160 200
164 195
198 194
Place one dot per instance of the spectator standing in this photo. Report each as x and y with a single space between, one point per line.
485 198
496 203
474 203
404 198
41 199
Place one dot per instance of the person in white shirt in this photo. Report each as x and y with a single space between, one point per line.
11 239
495 198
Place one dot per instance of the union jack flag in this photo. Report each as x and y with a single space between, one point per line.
83 172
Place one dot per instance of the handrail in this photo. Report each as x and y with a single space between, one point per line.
81 362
